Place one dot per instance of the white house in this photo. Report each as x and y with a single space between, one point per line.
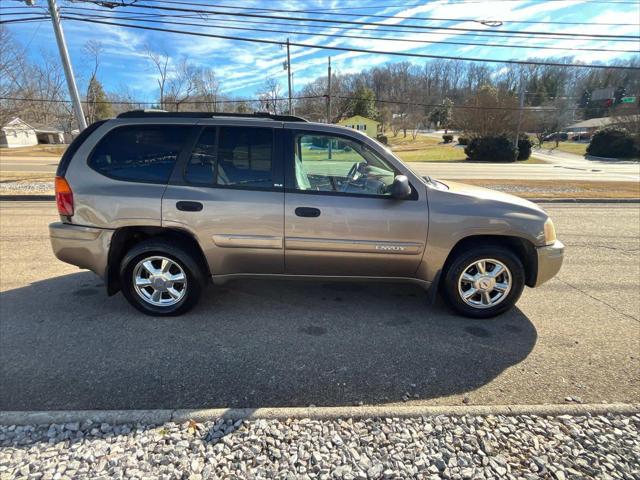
17 133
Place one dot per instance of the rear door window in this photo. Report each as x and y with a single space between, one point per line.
233 156
139 153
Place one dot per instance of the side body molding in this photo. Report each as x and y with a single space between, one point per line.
354 246
247 241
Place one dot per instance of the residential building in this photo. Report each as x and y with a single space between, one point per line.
587 128
17 133
363 124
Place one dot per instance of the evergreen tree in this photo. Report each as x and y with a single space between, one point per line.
364 103
442 115
97 102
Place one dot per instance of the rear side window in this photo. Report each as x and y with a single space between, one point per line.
232 156
73 148
139 153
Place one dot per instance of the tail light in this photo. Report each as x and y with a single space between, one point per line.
64 197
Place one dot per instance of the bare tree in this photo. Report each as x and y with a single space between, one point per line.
182 85
489 112
32 91
550 118
92 49
11 65
416 120
160 60
270 96
207 89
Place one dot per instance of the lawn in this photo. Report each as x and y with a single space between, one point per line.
34 151
567 147
429 149
434 153
425 149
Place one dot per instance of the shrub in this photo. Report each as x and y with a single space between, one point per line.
447 138
491 149
524 147
383 139
463 141
611 142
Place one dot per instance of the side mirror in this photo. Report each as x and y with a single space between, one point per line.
400 188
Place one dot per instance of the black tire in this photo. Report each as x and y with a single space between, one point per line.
186 260
462 260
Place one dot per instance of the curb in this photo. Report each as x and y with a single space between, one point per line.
157 417
584 200
27 198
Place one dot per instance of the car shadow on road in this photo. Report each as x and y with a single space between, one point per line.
65 345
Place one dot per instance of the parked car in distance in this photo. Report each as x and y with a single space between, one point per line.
559 136
583 136
159 204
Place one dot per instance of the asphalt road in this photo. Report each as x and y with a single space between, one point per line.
65 345
568 167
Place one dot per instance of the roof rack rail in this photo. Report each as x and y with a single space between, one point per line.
163 113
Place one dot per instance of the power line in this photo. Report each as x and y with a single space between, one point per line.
135 102
21 20
360 23
286 99
454 2
371 15
382 28
364 37
358 50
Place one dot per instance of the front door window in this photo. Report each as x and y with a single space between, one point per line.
336 164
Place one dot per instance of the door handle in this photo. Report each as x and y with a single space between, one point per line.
189 206
308 212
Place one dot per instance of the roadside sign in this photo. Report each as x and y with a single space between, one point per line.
628 100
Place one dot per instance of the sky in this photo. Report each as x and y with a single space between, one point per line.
243 67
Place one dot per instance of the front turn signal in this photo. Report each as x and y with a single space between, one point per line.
549 232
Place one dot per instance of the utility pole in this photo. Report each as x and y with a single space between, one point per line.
66 63
293 88
522 92
329 92
289 77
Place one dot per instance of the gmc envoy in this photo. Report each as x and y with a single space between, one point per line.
158 204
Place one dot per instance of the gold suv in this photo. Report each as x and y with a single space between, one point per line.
159 204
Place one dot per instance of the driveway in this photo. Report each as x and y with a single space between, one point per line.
65 345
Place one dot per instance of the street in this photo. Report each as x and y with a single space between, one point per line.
65 345
566 167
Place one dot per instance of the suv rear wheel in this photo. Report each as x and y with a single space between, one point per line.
484 282
161 279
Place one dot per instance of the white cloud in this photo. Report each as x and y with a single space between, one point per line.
243 66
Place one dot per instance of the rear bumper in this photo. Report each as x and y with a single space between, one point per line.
85 247
549 261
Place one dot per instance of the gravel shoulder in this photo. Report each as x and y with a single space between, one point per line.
466 447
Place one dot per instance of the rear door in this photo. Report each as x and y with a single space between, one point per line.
340 218
227 191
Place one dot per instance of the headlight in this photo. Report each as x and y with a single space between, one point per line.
549 232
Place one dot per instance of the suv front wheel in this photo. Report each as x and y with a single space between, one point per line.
161 279
484 282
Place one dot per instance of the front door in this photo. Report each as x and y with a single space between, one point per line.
340 217
228 193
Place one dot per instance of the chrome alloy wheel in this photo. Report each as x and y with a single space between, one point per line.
485 283
159 281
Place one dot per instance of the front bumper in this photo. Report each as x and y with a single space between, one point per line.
549 261
86 247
